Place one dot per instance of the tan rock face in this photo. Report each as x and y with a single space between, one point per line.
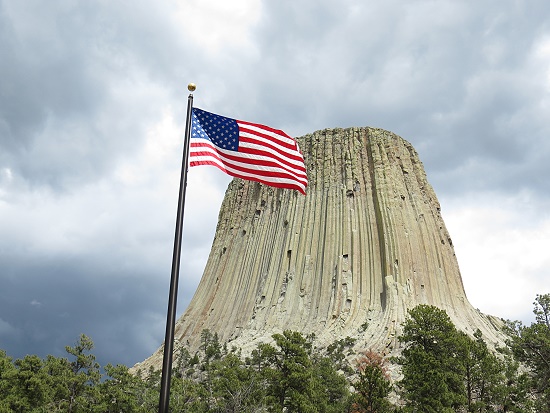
365 244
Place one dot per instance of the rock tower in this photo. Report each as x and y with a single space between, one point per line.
364 245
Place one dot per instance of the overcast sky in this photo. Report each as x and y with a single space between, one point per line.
92 113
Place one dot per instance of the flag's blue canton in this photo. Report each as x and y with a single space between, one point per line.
222 131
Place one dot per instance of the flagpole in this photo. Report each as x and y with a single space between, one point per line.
164 399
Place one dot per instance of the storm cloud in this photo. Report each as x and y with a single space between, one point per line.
92 112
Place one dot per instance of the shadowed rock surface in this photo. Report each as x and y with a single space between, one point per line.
367 243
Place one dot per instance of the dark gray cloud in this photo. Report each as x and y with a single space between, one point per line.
81 85
49 302
460 83
92 105
115 292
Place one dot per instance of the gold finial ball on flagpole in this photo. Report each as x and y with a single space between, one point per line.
191 87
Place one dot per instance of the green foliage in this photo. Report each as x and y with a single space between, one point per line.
443 369
237 387
299 378
339 351
8 373
482 370
210 346
83 392
125 392
31 384
431 361
373 384
289 375
492 381
531 345
330 388
514 391
331 373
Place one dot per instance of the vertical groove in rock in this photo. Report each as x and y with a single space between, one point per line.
365 244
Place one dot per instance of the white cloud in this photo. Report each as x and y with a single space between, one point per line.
502 245
127 214
216 24
542 57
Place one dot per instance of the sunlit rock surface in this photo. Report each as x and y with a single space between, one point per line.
365 244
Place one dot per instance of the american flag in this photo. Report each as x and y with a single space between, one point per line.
247 150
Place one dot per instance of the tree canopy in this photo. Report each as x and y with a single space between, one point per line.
440 369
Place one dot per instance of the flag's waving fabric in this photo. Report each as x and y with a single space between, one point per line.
247 150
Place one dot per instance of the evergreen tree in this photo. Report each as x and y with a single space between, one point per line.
339 351
373 384
482 372
330 388
493 381
82 383
512 394
444 370
31 385
237 387
289 375
8 373
122 391
432 369
59 372
531 345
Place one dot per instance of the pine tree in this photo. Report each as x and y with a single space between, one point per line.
531 345
432 370
373 384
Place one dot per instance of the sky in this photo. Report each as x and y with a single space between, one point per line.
93 97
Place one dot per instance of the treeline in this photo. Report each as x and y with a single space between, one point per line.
440 370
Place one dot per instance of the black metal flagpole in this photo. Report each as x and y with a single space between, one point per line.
164 399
